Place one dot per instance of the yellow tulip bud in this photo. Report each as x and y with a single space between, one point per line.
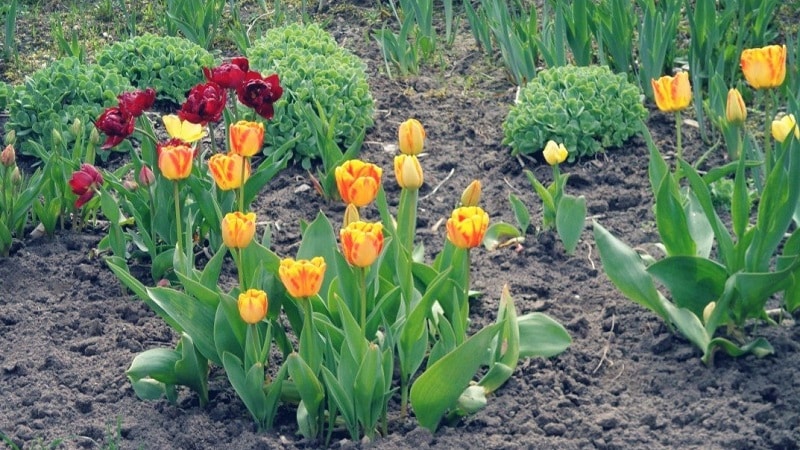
253 305
411 137
350 215
781 128
238 229
302 278
16 176
175 161
183 129
672 93
472 194
77 127
247 137
554 153
362 243
708 310
229 171
408 171
764 67
358 181
467 226
735 109
94 136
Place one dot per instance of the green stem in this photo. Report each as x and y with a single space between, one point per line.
362 274
678 136
148 134
211 137
407 218
309 314
239 268
245 160
465 307
178 220
403 396
769 104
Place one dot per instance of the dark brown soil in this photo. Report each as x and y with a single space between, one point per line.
68 331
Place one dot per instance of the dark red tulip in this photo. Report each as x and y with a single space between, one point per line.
260 93
134 103
84 183
116 126
229 75
204 104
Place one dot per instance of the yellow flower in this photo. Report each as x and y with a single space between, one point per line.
227 170
183 129
253 305
554 153
466 226
247 137
175 161
358 181
672 93
362 242
302 278
408 171
735 110
783 126
472 194
411 137
764 67
238 229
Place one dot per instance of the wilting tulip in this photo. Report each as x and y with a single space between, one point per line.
764 67
554 153
134 103
183 129
229 171
411 137
84 183
362 242
8 157
408 171
204 104
238 229
472 194
175 161
116 126
260 93
781 128
247 138
302 278
253 305
358 181
735 109
672 93
467 226
228 75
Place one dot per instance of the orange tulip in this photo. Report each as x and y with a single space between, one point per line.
411 137
358 181
302 278
238 229
466 226
253 305
227 170
764 67
735 110
672 93
175 161
362 242
247 137
408 171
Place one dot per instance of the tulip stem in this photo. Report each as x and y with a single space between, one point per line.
212 138
678 138
239 266
178 220
245 160
362 274
770 114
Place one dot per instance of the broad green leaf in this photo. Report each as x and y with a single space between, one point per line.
156 363
693 282
120 268
759 347
541 336
311 392
755 289
671 220
570 220
689 325
740 203
521 213
699 227
369 387
247 385
195 318
343 401
507 345
192 368
499 234
700 190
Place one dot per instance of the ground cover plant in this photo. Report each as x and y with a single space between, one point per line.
174 220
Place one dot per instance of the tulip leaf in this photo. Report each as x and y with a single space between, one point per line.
342 400
311 392
689 325
439 387
755 289
499 233
693 282
195 318
229 328
521 213
506 347
760 347
157 364
541 336
570 220
120 268
248 385
701 192
671 220
740 202
699 227
369 389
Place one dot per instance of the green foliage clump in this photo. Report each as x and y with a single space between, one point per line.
53 97
315 72
5 92
170 65
588 109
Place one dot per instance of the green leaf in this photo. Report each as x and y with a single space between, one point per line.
521 213
570 220
759 347
499 234
671 220
506 346
192 368
541 336
693 282
248 385
119 266
310 390
689 325
195 318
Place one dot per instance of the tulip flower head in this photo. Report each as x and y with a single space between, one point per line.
735 109
175 161
783 127
146 176
302 278
8 157
467 226
358 182
134 103
228 75
253 305
84 183
204 104
115 125
554 153
183 129
408 171
672 93
764 67
238 229
472 194
260 93
227 170
411 137
247 138
362 243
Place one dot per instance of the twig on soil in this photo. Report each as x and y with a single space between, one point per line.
452 171
508 183
436 226
589 255
607 347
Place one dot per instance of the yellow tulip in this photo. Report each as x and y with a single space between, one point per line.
411 137
764 67
175 161
227 170
302 278
238 229
247 138
362 242
554 153
672 93
467 226
472 194
735 109
253 305
358 181
408 171
183 129
781 128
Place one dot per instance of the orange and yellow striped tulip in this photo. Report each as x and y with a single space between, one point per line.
735 109
408 171
302 278
227 170
362 242
764 67
175 161
238 229
672 93
253 305
358 181
247 138
411 137
467 226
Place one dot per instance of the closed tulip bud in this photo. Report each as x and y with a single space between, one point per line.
472 400
781 128
246 137
94 136
11 138
411 137
16 176
57 139
735 110
8 157
708 310
362 243
672 93
146 176
358 181
554 153
408 171
77 127
467 226
253 305
764 67
229 171
238 229
302 278
350 215
183 129
130 185
472 194
175 161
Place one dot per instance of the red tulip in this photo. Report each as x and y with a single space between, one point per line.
134 103
229 75
260 93
116 125
204 104
84 183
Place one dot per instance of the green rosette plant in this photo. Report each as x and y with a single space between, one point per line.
317 72
588 109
